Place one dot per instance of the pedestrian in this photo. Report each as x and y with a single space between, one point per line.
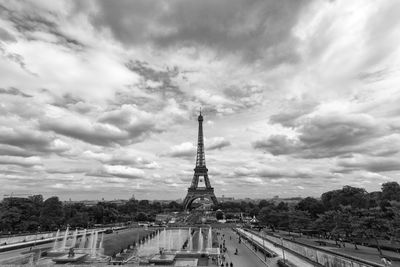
231 264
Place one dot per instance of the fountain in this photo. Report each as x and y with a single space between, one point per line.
200 242
169 240
75 237
94 244
190 245
209 238
91 239
101 240
64 242
56 245
179 243
83 240
158 239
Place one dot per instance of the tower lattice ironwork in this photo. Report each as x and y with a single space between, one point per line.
194 191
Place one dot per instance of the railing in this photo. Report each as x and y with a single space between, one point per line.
319 255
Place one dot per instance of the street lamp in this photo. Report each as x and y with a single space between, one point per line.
265 254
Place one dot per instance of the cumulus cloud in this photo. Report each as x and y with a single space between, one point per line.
118 171
116 84
183 150
21 161
262 28
216 143
121 157
30 140
326 135
371 164
13 91
273 172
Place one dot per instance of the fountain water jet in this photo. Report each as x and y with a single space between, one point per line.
101 240
55 247
64 242
158 239
209 238
83 240
94 244
190 245
169 240
200 243
165 238
91 240
179 243
74 238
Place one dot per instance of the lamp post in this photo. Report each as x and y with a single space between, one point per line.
283 251
265 254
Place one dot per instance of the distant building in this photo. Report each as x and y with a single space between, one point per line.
225 199
91 203
163 218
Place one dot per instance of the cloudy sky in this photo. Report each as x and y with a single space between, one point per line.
100 98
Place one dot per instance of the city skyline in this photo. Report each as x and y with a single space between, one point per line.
100 99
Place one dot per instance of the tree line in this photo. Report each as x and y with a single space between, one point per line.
20 215
350 214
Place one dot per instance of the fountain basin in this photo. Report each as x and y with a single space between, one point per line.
186 262
162 259
66 259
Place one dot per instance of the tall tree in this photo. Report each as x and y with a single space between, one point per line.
391 191
51 215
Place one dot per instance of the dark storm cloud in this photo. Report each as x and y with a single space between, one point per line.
157 81
21 161
97 133
325 136
10 150
255 29
24 142
6 36
13 91
375 164
29 20
218 144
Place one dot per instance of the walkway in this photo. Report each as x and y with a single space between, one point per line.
363 252
293 259
245 257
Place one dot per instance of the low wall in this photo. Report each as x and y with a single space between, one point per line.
320 256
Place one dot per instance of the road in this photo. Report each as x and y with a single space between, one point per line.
17 252
246 256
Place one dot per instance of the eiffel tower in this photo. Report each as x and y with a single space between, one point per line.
194 191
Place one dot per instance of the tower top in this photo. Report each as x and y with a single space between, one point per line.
200 118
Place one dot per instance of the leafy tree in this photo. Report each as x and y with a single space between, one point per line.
311 205
51 215
219 215
391 191
348 195
325 222
372 224
141 217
